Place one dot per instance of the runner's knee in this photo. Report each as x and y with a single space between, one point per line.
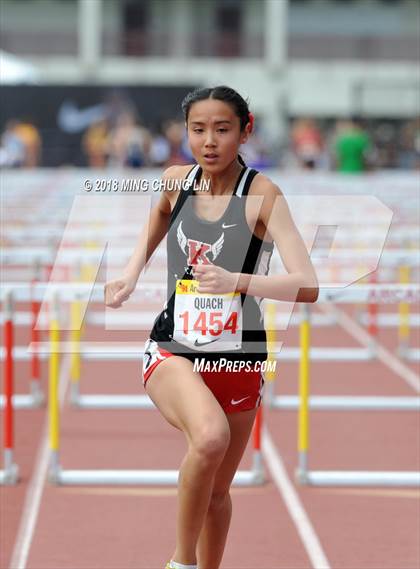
219 499
211 442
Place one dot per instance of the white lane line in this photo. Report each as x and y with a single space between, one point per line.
384 355
296 510
36 485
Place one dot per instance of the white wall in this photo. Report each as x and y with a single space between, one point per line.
317 88
297 87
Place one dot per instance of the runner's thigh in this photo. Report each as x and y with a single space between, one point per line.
185 401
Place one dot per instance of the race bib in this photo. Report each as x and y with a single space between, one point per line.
207 322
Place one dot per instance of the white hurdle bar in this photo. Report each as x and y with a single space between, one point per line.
398 236
87 292
359 478
139 477
45 255
347 403
253 477
386 320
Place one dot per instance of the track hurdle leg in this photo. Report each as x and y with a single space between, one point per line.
257 463
271 347
373 318
75 334
10 474
53 398
87 274
303 418
404 315
36 391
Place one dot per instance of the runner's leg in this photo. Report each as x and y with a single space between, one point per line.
188 404
213 535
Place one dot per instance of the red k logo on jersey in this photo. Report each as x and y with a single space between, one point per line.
197 250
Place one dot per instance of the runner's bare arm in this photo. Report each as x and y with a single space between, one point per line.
119 290
300 284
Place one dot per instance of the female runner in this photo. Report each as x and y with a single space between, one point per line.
219 245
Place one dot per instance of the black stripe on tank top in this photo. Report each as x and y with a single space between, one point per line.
183 194
250 177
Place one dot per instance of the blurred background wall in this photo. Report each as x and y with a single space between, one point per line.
319 60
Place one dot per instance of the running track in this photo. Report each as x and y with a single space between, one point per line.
277 526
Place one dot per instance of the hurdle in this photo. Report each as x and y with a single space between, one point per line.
91 351
67 291
404 313
12 256
98 352
35 398
253 477
36 391
133 352
86 477
392 293
304 475
10 474
19 235
362 293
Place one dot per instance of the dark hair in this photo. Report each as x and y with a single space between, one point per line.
221 93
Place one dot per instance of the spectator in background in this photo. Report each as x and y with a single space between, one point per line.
307 143
159 149
129 143
179 152
95 144
12 148
383 136
408 153
31 138
259 152
21 144
351 147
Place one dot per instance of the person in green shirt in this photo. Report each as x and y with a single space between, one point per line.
351 147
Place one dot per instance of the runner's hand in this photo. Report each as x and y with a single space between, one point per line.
215 279
118 291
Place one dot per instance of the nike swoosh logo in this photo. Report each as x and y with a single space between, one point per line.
197 343
227 226
234 402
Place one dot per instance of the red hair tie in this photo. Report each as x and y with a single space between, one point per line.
251 122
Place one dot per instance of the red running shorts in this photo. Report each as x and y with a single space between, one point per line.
234 390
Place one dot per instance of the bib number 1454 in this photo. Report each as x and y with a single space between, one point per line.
210 322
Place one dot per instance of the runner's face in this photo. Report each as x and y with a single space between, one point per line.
214 134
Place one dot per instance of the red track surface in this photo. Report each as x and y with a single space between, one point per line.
109 527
